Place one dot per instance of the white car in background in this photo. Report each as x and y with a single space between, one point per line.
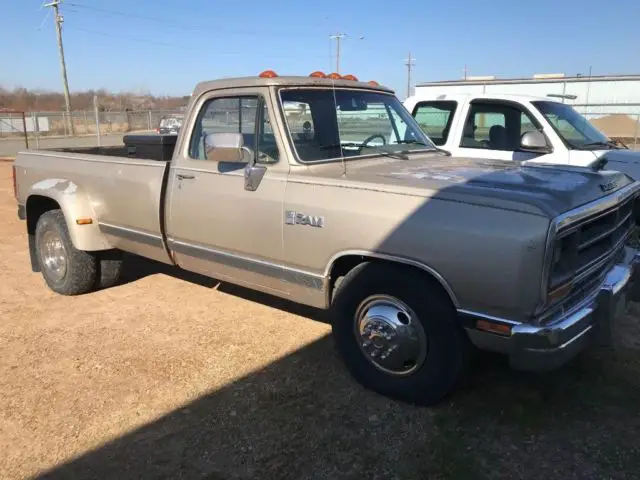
518 127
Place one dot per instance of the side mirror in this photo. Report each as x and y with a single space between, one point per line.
534 142
226 147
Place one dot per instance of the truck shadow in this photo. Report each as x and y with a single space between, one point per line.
136 268
303 417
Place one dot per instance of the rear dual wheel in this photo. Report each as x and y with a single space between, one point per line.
398 333
67 270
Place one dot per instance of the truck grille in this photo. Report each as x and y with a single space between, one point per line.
584 251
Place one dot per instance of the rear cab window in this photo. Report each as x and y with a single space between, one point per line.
435 117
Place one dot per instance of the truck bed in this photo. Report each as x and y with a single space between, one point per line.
122 194
144 147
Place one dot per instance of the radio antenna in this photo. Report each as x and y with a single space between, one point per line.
335 105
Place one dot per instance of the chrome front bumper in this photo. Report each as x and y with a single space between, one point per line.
545 347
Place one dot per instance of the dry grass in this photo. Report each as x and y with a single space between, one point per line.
167 376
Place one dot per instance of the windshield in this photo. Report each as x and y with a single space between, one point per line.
326 124
574 129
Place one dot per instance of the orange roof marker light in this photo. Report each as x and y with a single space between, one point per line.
373 83
318 74
268 74
350 77
334 76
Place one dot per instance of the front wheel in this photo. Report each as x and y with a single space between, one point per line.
67 270
398 334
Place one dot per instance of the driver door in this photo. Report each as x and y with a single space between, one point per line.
215 226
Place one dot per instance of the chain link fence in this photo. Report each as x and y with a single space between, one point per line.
56 124
619 122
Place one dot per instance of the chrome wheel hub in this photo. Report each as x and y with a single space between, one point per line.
54 255
390 335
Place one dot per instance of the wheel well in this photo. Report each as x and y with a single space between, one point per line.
343 265
36 206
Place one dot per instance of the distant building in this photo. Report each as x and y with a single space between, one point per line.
596 95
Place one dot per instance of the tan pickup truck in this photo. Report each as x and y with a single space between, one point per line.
325 191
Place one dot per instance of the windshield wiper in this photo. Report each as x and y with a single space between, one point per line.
354 144
340 145
599 143
432 147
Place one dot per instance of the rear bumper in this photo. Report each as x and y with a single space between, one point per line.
546 347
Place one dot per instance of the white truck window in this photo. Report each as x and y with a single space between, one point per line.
495 126
574 129
435 119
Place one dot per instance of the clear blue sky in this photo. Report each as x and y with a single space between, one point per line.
166 46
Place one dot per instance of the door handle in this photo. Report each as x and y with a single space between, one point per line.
182 176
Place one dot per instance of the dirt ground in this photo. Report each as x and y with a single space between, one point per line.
173 376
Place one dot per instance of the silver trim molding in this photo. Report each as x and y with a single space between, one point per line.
393 258
268 269
131 234
472 314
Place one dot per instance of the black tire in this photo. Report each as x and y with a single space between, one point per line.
448 348
109 268
80 272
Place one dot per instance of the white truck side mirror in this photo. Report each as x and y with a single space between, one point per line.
534 141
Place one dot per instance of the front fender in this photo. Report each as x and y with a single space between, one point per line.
76 204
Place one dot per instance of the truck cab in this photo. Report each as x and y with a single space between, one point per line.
516 127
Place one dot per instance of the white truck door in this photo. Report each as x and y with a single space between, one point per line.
492 128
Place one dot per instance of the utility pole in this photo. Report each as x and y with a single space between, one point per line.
58 19
337 37
409 63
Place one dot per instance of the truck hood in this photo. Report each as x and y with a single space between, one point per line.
551 189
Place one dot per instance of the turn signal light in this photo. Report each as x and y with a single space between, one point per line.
268 74
334 76
350 77
318 74
373 83
560 292
498 328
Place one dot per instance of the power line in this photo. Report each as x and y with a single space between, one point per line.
58 19
183 26
337 37
409 63
185 47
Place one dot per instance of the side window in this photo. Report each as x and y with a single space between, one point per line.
435 119
526 124
495 126
224 115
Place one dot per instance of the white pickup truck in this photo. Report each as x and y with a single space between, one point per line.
517 127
